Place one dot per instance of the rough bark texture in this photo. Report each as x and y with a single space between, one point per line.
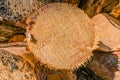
7 31
104 63
17 10
116 11
13 67
76 2
93 7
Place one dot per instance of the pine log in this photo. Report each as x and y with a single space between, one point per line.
107 30
62 39
106 65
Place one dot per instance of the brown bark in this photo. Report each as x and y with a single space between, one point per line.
19 10
13 67
116 11
105 65
8 30
93 7
63 1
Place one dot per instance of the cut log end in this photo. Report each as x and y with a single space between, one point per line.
61 37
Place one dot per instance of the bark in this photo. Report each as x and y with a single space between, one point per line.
116 11
105 65
93 7
17 10
13 67
8 31
63 1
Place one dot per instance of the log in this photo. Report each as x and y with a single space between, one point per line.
60 42
107 29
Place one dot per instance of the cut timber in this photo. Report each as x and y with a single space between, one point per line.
107 30
13 67
60 35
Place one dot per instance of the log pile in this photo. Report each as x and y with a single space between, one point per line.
15 65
